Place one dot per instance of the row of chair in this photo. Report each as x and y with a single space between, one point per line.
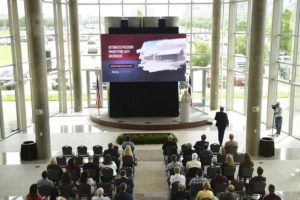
83 151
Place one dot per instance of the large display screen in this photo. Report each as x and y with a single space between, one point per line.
143 57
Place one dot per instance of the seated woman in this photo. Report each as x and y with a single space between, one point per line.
72 165
65 179
33 193
205 193
246 163
84 178
53 165
229 162
128 152
107 162
54 195
193 162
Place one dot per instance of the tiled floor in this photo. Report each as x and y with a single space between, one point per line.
283 169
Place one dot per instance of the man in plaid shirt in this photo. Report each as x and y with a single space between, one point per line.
199 179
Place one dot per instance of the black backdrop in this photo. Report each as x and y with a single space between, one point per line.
143 99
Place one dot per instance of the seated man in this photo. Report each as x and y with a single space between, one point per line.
272 195
44 180
123 179
189 151
199 179
170 143
123 195
128 142
99 195
219 178
91 165
173 164
177 177
231 142
258 178
193 163
206 151
229 194
181 193
113 153
201 143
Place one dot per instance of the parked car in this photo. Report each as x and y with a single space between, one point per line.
239 79
92 49
284 68
7 76
55 84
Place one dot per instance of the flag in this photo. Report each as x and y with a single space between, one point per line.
190 91
98 101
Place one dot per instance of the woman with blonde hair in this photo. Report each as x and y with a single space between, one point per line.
229 162
53 166
205 193
127 151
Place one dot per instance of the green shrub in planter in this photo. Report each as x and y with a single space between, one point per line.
149 138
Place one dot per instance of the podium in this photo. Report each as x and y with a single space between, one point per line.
185 110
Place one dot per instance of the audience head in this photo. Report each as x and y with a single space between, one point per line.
174 158
203 137
231 136
127 138
123 187
199 172
128 151
194 156
206 185
260 171
107 159
229 160
53 161
110 146
221 108
44 174
54 193
218 171
66 178
71 162
205 146
33 192
100 192
278 103
189 146
90 159
177 170
230 188
123 173
247 158
180 186
84 176
271 188
170 138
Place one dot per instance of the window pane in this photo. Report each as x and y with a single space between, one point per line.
5 51
184 14
202 18
88 62
241 44
296 122
239 92
53 97
88 18
179 1
157 10
288 16
264 103
283 94
157 1
241 17
134 1
4 22
28 104
9 110
134 10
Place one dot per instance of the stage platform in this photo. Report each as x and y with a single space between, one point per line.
198 119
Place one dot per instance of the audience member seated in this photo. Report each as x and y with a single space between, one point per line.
128 152
91 165
113 153
124 179
54 195
258 178
128 142
33 193
66 179
219 178
44 180
107 162
229 194
188 152
205 193
199 144
123 195
271 195
193 163
177 177
229 162
231 142
53 165
173 164
246 163
71 165
206 151
181 193
170 143
84 178
199 179
99 195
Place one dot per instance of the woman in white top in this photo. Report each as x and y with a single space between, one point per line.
107 162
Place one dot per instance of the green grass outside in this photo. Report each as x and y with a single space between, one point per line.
5 55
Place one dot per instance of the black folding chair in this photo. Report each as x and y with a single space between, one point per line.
205 160
229 172
44 190
74 174
61 161
54 175
97 149
66 191
211 172
108 189
93 174
96 159
84 190
67 151
259 188
215 148
194 189
219 187
107 174
127 161
246 172
82 151
221 159
238 158
239 187
231 150
78 160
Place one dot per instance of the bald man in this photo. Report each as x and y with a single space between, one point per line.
229 194
181 193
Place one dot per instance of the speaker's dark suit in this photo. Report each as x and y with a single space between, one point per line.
222 123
